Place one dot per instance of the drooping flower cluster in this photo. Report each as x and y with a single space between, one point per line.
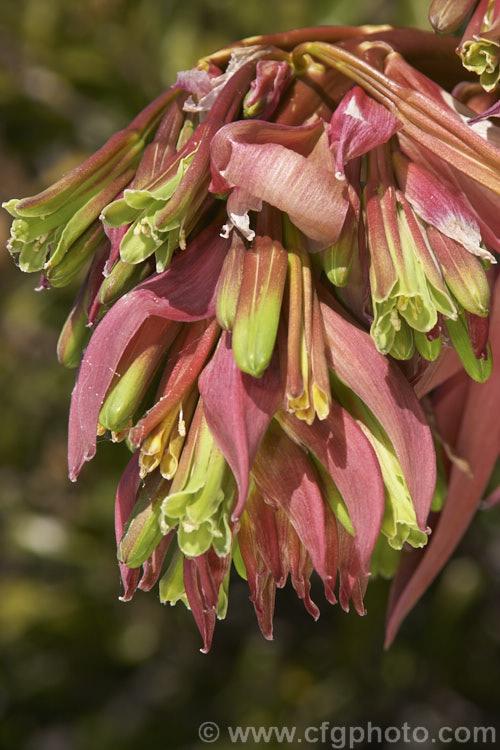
288 249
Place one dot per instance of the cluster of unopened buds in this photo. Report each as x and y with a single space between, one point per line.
291 314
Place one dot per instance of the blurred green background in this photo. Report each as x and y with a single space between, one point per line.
78 669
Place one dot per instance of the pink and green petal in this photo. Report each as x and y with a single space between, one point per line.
387 393
358 125
283 473
341 446
204 617
353 575
249 406
296 561
185 292
289 167
479 416
126 495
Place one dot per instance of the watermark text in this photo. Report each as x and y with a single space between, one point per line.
347 737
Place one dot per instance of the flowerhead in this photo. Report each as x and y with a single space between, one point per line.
287 251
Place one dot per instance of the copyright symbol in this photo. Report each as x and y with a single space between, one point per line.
208 731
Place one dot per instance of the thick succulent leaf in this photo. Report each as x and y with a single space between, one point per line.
259 304
447 16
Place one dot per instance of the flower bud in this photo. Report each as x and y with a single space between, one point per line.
75 334
123 277
259 305
142 533
272 79
229 284
134 374
479 368
337 259
446 16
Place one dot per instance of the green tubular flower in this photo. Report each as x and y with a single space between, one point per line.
48 226
338 258
398 284
483 58
307 385
200 500
480 45
399 523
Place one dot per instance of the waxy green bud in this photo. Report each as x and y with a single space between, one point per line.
478 368
428 348
143 533
135 373
462 271
403 346
446 16
337 259
123 277
75 334
229 284
88 245
259 305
